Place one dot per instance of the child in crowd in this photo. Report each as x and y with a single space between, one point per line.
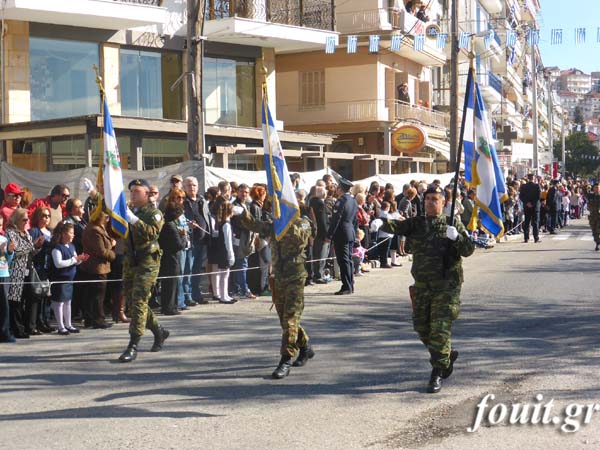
63 259
223 252
358 252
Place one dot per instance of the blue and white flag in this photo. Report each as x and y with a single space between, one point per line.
464 40
556 36
441 40
511 58
419 42
352 44
330 44
511 38
396 43
482 169
285 209
533 37
580 35
112 177
373 43
487 40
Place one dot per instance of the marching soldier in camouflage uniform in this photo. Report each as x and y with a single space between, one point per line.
140 268
289 275
593 205
437 270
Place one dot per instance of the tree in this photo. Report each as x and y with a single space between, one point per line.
581 155
578 116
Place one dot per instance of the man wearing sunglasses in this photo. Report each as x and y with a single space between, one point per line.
56 202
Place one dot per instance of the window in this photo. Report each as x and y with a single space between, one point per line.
61 78
229 92
146 78
312 89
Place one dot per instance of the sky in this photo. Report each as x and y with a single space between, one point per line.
568 15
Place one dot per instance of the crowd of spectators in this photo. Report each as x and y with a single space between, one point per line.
207 254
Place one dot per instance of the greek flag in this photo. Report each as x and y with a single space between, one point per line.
533 37
556 36
352 44
487 40
511 57
441 40
396 43
511 38
482 169
464 40
330 44
579 35
419 42
373 43
114 197
285 209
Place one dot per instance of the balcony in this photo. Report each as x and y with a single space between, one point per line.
492 6
491 88
103 14
425 116
285 25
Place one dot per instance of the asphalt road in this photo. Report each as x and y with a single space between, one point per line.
529 325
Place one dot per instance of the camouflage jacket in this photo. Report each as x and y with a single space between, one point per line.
593 205
435 257
143 235
288 255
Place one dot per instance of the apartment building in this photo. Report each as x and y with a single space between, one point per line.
50 102
356 95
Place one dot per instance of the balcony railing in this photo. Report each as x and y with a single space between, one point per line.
425 116
317 14
495 82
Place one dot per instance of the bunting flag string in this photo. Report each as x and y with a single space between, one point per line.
511 37
396 43
352 44
556 36
419 43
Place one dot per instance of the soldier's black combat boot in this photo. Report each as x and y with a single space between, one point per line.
448 370
130 352
304 355
160 336
435 381
283 369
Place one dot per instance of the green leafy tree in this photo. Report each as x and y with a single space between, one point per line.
581 156
578 116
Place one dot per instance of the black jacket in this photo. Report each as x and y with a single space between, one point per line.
171 242
530 193
322 216
344 220
194 211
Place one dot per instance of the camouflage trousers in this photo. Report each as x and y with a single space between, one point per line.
288 298
434 312
595 226
138 281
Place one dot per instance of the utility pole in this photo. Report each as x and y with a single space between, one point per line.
550 117
535 110
562 132
195 48
454 85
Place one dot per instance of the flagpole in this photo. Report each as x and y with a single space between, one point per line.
100 176
274 178
462 128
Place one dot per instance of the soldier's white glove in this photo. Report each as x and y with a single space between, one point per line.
237 210
131 217
452 233
86 185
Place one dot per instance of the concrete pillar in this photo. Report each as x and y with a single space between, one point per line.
387 149
110 76
17 92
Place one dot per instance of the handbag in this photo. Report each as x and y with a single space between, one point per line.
39 287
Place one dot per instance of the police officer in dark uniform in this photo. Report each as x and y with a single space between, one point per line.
530 194
342 231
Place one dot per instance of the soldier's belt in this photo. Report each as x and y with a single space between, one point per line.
443 284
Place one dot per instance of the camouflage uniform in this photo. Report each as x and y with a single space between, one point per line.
593 205
140 267
438 274
289 275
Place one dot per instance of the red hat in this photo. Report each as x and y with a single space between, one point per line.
13 188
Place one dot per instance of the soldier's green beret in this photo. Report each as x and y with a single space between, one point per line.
433 190
138 182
